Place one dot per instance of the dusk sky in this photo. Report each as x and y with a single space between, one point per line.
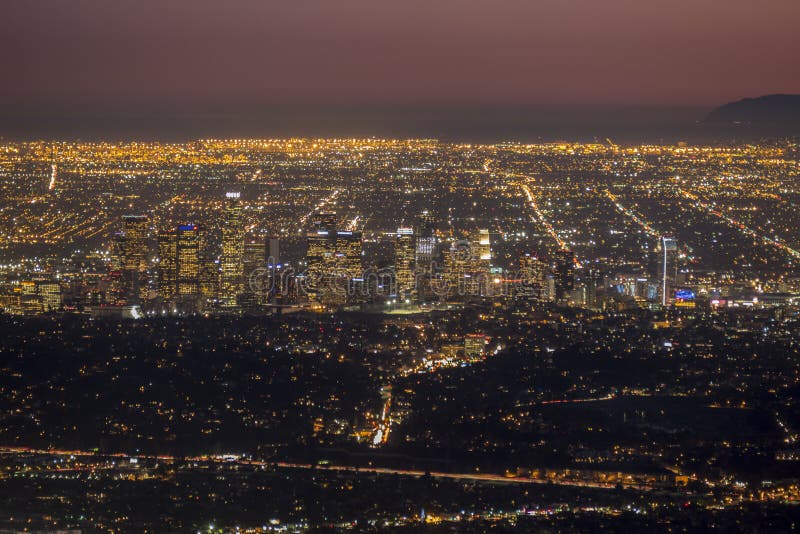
685 52
201 55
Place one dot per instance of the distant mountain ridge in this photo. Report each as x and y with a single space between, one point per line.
780 111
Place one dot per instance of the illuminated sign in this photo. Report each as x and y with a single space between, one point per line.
684 294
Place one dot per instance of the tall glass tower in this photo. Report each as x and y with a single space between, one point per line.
188 260
667 268
134 256
404 250
232 282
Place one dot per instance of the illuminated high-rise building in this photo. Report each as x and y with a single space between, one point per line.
426 239
349 252
424 265
404 251
32 297
455 267
320 262
188 260
465 274
167 264
484 247
333 259
50 294
321 251
134 256
533 278
564 274
592 281
667 268
30 301
254 255
232 279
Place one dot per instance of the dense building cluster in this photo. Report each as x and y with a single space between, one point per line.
405 335
249 226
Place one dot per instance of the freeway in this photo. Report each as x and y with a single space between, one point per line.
491 478
229 459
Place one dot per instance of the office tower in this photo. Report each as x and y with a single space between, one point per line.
30 301
134 256
466 266
50 294
333 259
167 264
188 260
256 277
232 280
484 247
349 252
564 274
482 261
464 273
404 251
533 277
426 239
592 281
320 254
113 293
424 265
37 296
254 256
453 272
667 268
349 268
321 251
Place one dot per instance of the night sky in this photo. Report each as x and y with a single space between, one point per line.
195 57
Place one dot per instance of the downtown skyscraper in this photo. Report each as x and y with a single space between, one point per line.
333 261
167 264
404 249
667 268
232 278
424 264
133 261
187 263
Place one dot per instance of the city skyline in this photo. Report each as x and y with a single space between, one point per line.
399 266
411 332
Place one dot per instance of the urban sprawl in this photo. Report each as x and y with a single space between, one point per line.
400 334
